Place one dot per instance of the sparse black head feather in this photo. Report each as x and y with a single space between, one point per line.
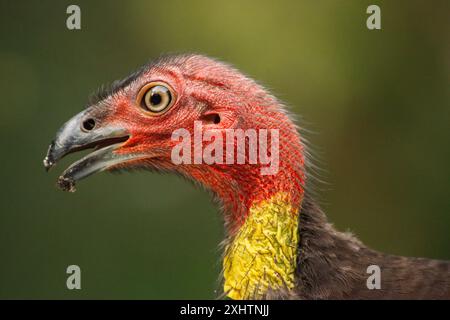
106 91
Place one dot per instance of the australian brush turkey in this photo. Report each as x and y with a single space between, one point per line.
279 243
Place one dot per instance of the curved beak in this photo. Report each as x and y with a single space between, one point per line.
72 138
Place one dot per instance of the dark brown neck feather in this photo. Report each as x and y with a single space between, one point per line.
333 265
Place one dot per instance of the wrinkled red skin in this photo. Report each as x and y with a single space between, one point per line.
203 86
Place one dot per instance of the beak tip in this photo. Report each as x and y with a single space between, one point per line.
48 164
49 161
66 184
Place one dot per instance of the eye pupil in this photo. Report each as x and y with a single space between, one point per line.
155 99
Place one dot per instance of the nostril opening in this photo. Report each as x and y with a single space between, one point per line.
88 124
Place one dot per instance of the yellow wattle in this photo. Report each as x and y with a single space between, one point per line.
263 254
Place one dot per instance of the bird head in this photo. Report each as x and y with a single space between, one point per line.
133 124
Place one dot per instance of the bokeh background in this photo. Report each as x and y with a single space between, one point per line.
377 103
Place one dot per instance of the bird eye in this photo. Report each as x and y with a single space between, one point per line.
155 97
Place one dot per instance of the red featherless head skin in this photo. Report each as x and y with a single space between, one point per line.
219 97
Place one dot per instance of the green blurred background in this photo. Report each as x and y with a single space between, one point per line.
377 101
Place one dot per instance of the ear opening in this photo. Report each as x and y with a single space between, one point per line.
211 118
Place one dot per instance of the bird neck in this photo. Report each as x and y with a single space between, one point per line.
262 254
263 227
261 210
